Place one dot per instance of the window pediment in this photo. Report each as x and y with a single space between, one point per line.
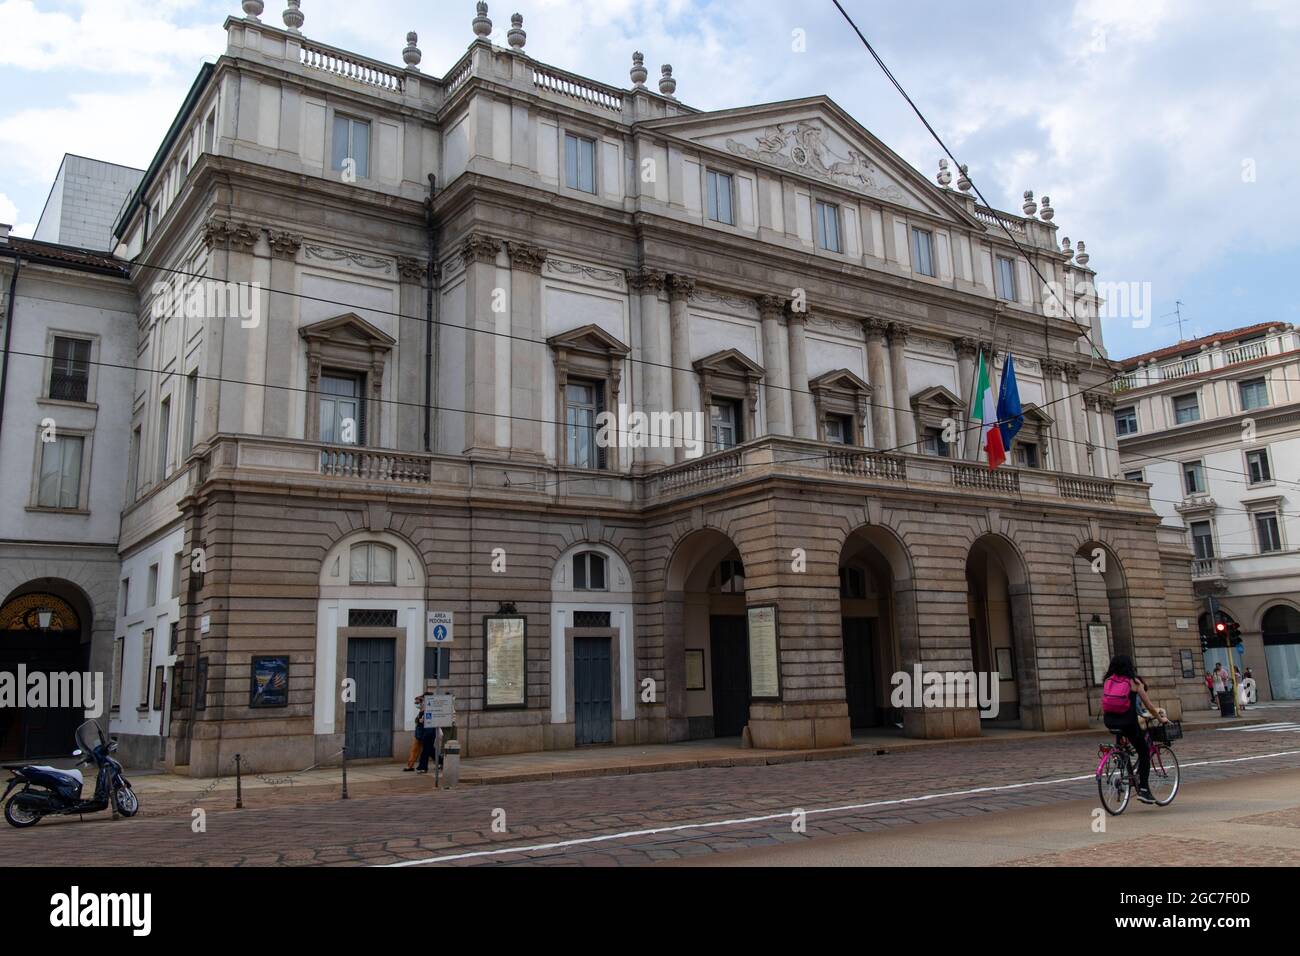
348 329
936 399
1036 416
589 339
729 363
840 381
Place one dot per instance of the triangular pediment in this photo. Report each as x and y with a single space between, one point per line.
1036 415
729 362
588 338
814 138
936 395
841 379
348 328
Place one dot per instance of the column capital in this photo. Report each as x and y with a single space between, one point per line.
1052 366
410 269
897 333
771 306
284 245
875 326
648 281
526 257
1071 371
479 247
967 347
1103 401
680 287
238 234
796 318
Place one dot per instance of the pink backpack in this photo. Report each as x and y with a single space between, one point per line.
1116 695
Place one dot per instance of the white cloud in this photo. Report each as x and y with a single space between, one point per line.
8 210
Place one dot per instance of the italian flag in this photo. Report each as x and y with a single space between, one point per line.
986 413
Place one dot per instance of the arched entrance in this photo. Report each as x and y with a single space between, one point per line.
877 617
706 651
1105 617
1000 613
1281 630
44 629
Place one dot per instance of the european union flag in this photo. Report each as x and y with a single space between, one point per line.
1010 415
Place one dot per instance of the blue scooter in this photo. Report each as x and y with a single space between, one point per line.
49 791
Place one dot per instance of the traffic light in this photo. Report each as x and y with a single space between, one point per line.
1205 643
1234 634
1220 634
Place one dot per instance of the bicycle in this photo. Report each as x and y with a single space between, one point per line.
1117 768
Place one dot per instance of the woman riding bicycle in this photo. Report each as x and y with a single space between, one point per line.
1125 723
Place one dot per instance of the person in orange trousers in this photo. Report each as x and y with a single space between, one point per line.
417 744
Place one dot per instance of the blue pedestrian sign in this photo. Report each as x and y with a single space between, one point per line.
440 630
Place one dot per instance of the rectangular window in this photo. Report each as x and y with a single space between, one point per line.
1202 540
1006 279
1254 394
60 479
584 401
580 163
164 436
719 188
70 372
1126 421
935 445
146 666
1270 536
839 429
1187 408
923 251
1194 478
133 492
210 131
126 598
153 585
1026 454
342 411
1257 466
724 419
192 410
827 217
178 569
173 637
116 681
351 147
1133 476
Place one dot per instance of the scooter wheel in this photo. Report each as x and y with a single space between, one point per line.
19 816
126 802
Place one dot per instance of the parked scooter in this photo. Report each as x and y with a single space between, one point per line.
48 791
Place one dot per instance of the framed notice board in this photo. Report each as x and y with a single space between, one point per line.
505 672
764 652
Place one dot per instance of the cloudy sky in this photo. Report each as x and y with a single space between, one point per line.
1163 130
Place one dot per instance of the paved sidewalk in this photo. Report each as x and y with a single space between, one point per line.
166 793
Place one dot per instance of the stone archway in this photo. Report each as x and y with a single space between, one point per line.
1104 611
1001 619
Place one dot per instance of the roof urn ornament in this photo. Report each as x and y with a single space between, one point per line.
516 36
253 8
1081 256
1029 206
944 176
411 53
293 17
638 73
482 25
1065 248
1046 212
963 178
667 85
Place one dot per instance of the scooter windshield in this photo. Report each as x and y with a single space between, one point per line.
90 735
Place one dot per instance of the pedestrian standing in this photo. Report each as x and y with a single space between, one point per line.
1223 690
417 743
1209 688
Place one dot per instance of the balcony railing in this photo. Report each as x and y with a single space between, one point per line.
1206 568
1086 489
568 84
868 464
1245 353
979 476
987 215
1180 369
707 471
367 465
371 73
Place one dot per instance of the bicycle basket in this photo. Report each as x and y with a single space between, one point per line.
1167 733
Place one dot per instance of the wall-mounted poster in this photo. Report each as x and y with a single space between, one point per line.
270 682
505 638
1100 647
1189 668
764 653
1006 665
695 670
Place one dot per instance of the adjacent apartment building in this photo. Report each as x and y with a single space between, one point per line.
382 322
1213 426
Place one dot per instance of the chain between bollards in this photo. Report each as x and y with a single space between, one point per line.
345 773
239 784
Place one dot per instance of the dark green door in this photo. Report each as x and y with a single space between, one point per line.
370 717
860 670
593 697
729 648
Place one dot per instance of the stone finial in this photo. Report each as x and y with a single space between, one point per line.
963 178
293 17
1065 249
1046 212
1081 256
516 36
1029 206
944 176
482 25
411 53
638 73
667 85
253 8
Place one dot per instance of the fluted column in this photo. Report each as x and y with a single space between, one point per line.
1078 418
904 419
882 419
967 352
686 394
657 350
527 349
776 383
805 423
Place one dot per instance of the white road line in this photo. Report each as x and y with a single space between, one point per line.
1263 728
742 821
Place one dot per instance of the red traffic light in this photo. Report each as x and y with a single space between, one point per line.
1220 627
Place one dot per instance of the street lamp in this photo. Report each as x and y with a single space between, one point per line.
45 617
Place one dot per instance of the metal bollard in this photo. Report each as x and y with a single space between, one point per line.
239 784
450 764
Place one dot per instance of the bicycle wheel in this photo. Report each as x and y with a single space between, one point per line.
1112 784
1165 775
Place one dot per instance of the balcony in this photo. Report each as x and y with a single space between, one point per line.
1280 340
1180 369
1203 568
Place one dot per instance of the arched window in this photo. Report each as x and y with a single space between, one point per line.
1281 621
589 571
373 563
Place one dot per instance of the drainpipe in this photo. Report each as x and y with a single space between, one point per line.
9 329
430 313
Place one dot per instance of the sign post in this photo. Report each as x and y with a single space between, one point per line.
440 631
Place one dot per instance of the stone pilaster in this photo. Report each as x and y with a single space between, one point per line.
776 384
657 351
968 350
882 417
1078 418
905 420
528 352
805 423
281 333
686 395
480 253
411 368
1062 450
